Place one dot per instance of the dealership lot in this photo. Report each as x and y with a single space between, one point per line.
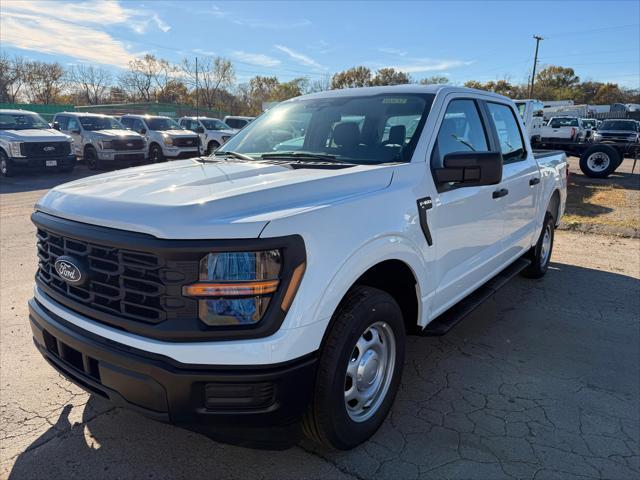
543 381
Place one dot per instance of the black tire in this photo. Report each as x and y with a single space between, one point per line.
540 255
211 147
91 159
599 161
155 154
6 168
327 420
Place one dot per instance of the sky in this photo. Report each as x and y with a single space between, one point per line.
463 40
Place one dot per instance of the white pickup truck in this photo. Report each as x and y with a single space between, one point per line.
563 129
258 293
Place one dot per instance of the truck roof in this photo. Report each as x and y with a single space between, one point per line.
146 115
85 114
410 88
17 111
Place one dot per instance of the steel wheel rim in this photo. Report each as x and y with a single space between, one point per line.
155 154
3 166
545 250
598 161
369 371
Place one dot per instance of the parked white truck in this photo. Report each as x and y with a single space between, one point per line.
563 129
255 294
212 132
532 113
167 140
27 142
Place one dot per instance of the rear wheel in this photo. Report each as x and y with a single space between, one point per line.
359 371
6 168
599 161
540 255
91 157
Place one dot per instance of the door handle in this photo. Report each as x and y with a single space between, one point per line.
503 192
534 181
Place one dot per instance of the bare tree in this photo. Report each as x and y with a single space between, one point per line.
215 74
93 82
147 77
44 81
12 77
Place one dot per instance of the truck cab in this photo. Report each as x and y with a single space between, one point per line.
27 142
212 132
267 290
100 139
237 122
167 140
532 113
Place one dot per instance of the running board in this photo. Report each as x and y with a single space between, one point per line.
449 319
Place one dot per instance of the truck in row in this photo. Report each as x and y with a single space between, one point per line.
28 142
601 145
267 290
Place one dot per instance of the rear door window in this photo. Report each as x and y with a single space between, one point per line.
508 130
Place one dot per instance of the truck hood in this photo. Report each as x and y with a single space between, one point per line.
193 200
33 135
621 133
115 133
178 133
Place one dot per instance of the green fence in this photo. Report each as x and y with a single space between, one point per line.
166 109
46 111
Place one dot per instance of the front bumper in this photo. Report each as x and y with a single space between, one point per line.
41 162
137 156
246 405
174 153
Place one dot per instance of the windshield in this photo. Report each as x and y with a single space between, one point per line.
521 108
563 122
617 125
21 121
362 129
100 123
589 123
214 124
159 123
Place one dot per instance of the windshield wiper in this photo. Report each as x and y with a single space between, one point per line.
234 155
323 157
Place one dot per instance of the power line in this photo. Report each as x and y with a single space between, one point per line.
535 63
599 29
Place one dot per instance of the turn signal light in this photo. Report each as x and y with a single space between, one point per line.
240 289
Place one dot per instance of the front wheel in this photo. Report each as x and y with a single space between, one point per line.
212 146
155 154
91 157
540 255
599 161
360 370
6 168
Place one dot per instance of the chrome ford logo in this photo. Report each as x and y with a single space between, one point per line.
49 149
129 144
69 270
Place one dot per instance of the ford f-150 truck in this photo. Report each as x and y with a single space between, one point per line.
28 142
211 131
257 293
167 140
563 129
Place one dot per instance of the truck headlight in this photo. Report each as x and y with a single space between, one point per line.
235 288
632 138
15 149
106 145
167 140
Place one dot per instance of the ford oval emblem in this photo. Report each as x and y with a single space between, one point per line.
49 149
69 270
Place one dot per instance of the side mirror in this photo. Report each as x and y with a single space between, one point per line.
76 131
143 131
56 125
199 130
471 168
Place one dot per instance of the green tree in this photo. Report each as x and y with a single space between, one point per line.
354 77
435 80
390 76
608 93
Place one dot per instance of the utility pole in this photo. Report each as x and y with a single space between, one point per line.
535 62
197 94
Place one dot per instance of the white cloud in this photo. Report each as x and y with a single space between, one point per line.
393 51
258 23
420 65
256 58
74 29
300 57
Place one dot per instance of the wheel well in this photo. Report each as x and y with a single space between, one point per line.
397 279
554 206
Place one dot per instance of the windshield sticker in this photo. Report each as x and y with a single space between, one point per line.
394 100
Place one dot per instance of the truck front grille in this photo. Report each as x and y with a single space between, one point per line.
128 284
45 149
185 142
123 144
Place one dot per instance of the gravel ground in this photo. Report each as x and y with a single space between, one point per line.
542 381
